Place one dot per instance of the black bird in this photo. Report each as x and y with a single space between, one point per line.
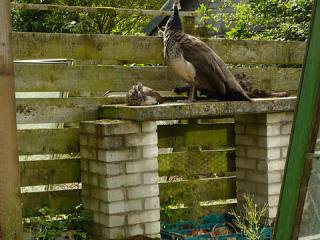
198 64
140 95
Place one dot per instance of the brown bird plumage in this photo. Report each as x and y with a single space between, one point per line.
140 95
198 64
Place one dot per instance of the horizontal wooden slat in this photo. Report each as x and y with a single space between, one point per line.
49 172
31 77
202 190
50 77
206 136
60 201
91 10
139 49
196 163
47 141
59 110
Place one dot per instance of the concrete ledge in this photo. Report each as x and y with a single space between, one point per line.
170 111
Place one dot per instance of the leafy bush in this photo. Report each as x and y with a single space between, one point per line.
248 219
261 19
49 225
71 22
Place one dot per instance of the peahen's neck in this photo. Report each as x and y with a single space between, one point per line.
174 22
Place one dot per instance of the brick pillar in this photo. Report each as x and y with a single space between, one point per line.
119 173
261 147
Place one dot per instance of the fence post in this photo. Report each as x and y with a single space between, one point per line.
189 25
10 200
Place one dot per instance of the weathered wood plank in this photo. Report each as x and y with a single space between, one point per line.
204 136
47 141
196 163
138 49
47 172
92 10
49 77
59 201
59 110
204 190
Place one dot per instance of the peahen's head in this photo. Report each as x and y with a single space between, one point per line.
174 22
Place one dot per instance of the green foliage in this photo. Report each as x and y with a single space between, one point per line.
50 225
70 22
248 219
262 19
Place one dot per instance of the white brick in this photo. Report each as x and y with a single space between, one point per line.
275 141
84 165
252 129
113 233
241 174
240 151
120 181
273 130
276 165
91 204
119 155
150 178
274 188
83 140
246 186
273 200
257 177
284 151
274 153
276 117
108 195
146 165
121 206
143 191
88 127
239 128
274 177
96 167
273 212
256 153
116 127
150 151
246 140
246 163
134 230
93 179
152 228
149 126
152 203
113 142
86 153
84 177
262 188
85 191
143 217
112 220
286 128
141 139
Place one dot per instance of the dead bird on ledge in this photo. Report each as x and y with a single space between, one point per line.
140 95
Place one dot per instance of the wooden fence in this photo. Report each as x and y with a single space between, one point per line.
105 63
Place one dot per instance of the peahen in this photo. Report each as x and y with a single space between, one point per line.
198 64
